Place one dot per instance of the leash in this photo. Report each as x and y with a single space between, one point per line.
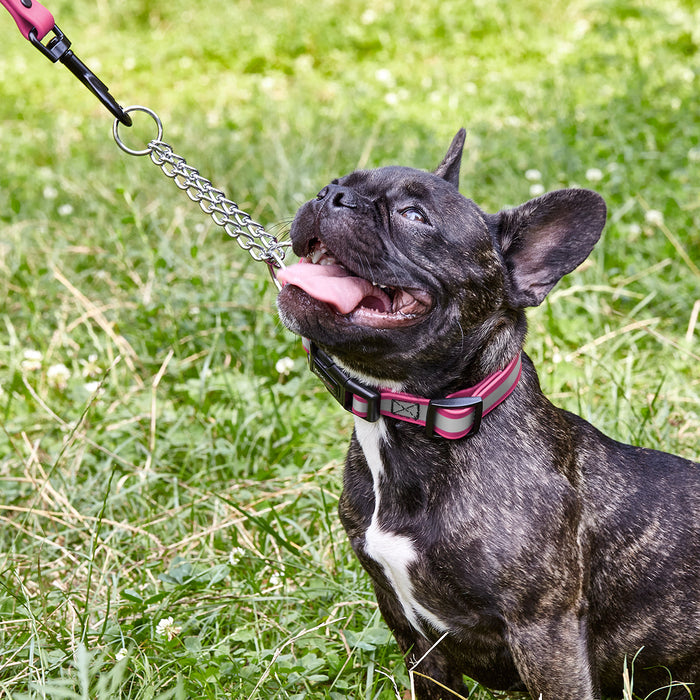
455 416
35 23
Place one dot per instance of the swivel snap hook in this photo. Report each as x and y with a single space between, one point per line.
35 22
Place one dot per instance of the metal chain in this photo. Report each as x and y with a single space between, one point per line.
250 235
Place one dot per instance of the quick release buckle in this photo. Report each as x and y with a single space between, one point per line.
455 403
341 387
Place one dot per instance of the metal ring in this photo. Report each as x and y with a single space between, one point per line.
122 145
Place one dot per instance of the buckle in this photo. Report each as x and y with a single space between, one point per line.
340 386
457 402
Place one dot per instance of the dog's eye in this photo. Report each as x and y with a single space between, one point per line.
414 214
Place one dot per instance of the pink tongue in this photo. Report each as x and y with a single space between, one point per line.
334 285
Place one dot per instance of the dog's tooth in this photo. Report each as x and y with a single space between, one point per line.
318 254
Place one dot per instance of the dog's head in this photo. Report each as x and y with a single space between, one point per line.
404 280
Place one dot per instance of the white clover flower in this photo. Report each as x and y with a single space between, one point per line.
594 175
368 17
167 628
235 555
121 654
90 368
536 190
581 27
654 217
31 360
92 387
65 210
58 376
687 74
50 192
383 75
533 175
284 366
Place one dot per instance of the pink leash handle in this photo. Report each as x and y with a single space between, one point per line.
35 22
30 16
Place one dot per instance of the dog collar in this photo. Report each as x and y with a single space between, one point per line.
454 416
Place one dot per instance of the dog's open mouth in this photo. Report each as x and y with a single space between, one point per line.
366 303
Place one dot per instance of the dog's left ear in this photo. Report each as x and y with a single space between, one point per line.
545 239
449 168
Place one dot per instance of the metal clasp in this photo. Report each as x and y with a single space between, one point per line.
58 49
35 22
341 387
457 402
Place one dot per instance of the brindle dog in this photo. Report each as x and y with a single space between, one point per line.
540 552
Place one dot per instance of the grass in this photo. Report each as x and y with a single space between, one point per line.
167 494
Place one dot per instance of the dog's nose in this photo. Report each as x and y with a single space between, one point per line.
338 196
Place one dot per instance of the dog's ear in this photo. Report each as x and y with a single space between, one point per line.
546 238
449 168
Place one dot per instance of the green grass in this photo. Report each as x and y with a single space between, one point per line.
171 471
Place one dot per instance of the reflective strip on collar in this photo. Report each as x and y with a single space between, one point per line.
451 423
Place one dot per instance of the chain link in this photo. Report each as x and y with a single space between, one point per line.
250 235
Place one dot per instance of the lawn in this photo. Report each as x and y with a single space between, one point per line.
169 470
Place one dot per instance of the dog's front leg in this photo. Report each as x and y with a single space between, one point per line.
435 671
553 658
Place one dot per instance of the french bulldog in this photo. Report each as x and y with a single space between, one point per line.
510 539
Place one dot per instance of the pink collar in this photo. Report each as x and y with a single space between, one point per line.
452 417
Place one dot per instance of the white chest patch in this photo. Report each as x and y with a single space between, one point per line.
395 553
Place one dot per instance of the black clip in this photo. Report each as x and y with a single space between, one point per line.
58 49
340 386
475 402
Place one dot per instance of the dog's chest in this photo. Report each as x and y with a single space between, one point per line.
396 554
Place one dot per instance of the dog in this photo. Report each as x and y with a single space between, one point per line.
507 540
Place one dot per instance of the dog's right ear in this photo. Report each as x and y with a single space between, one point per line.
449 168
546 238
